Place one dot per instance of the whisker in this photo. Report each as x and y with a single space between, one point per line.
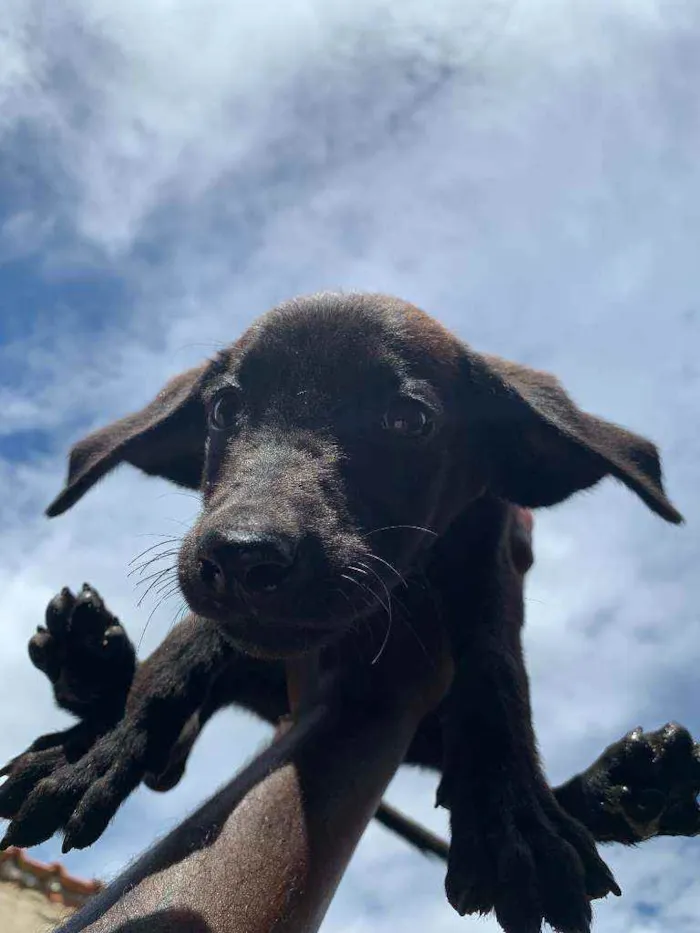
152 576
152 613
167 592
428 531
144 564
390 566
404 617
143 579
383 644
366 602
179 615
373 596
170 540
165 583
389 613
186 495
142 568
386 606
346 576
152 585
378 577
211 345
368 589
152 534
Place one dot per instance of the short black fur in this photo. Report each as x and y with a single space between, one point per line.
359 467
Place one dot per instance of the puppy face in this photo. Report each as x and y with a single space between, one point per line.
334 457
333 444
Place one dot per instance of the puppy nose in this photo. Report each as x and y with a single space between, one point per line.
258 562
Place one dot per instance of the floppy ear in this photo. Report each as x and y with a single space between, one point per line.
540 448
166 438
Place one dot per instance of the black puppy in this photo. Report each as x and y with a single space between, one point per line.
348 448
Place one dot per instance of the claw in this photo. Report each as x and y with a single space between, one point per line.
613 885
441 796
15 835
57 612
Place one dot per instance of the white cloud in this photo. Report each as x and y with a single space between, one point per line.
528 173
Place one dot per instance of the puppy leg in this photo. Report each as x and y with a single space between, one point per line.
514 849
258 686
89 660
82 795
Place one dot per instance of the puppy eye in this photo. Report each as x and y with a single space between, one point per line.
224 411
408 418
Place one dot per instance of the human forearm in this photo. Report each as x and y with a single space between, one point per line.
273 858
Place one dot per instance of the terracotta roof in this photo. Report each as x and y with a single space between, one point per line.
52 880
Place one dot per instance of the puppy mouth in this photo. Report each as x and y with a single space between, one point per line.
263 635
278 639
267 619
268 626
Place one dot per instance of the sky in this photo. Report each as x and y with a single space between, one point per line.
525 171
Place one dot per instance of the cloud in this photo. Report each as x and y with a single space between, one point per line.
526 173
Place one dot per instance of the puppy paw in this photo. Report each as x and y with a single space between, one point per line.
527 861
79 795
85 653
44 757
647 784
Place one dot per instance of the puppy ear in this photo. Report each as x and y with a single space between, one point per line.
540 448
166 438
